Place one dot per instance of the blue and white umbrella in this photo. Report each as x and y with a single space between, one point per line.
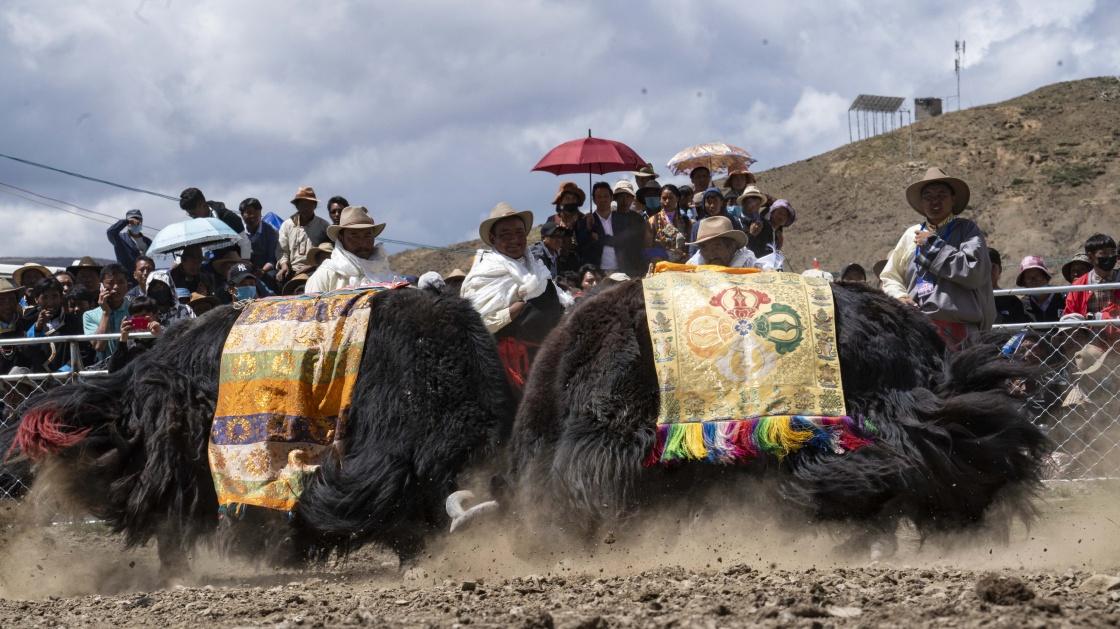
209 232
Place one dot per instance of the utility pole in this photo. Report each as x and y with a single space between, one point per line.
958 47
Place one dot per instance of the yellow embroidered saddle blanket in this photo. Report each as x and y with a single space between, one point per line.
289 366
747 364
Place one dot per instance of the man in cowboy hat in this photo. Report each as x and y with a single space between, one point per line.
299 233
513 291
644 175
941 265
357 258
453 282
87 273
30 274
718 242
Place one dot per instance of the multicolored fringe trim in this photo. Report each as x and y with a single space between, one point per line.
742 440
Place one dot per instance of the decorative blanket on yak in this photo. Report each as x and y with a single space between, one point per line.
747 365
289 366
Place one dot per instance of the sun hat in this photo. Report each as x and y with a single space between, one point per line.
782 203
455 274
305 193
1067 268
569 186
199 298
960 189
740 171
1032 262
718 227
623 185
645 171
500 211
85 262
8 287
296 284
551 229
355 217
751 191
17 275
316 254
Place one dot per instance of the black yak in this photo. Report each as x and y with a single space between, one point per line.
951 440
430 399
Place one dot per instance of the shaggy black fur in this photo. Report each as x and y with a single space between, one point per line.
430 400
951 439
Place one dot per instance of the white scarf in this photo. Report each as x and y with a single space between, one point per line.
497 281
743 258
359 270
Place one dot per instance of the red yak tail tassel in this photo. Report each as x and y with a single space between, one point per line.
41 433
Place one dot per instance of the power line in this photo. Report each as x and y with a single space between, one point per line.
55 207
89 178
63 171
74 205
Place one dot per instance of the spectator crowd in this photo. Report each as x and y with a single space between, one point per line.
941 265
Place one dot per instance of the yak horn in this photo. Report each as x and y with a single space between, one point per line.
460 516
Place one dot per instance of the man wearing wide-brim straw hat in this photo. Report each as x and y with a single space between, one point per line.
941 265
513 291
299 233
719 243
357 259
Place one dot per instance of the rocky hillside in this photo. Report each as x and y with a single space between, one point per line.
1044 169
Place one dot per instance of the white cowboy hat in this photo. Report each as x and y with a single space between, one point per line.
936 175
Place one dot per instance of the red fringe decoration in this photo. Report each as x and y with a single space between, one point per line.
40 433
514 355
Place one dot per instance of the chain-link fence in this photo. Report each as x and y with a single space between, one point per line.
1075 395
17 388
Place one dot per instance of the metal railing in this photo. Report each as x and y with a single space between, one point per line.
16 389
1075 396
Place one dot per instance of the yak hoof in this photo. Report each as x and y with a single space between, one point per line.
460 517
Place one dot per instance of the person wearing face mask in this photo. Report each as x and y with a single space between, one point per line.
612 239
711 205
128 239
160 288
241 282
941 265
1097 304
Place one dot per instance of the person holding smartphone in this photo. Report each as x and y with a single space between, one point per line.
143 316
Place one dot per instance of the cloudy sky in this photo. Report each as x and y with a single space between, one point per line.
431 112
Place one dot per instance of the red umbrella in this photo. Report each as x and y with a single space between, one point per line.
590 155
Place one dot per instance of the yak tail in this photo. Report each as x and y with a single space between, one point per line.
66 416
942 458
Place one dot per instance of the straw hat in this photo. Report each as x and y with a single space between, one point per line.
17 275
317 254
198 299
295 285
85 262
355 217
8 287
718 227
455 274
623 185
305 193
500 211
1032 262
569 186
751 191
936 175
1067 268
741 171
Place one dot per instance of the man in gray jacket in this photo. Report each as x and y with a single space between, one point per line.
941 265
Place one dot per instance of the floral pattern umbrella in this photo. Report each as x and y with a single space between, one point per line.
715 156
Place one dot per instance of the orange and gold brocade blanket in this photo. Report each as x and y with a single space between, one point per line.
289 366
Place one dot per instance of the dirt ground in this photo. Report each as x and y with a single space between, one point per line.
710 570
